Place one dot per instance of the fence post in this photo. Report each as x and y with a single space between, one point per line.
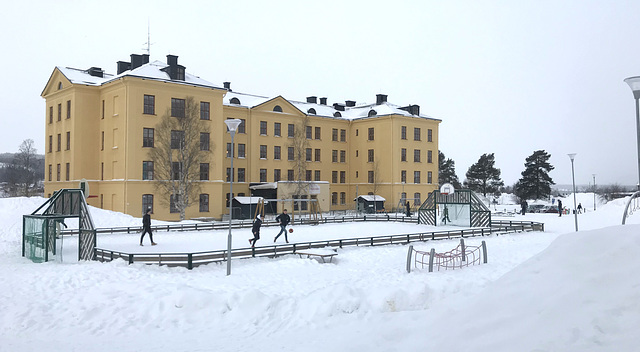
130 258
190 261
431 255
484 252
409 258
462 247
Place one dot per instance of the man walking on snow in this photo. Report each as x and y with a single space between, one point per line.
284 220
146 226
256 230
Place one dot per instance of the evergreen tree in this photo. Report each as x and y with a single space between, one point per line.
447 171
535 182
483 176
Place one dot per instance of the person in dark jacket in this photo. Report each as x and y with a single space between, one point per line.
524 206
284 219
560 209
146 227
256 230
408 208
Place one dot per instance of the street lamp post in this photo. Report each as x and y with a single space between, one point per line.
575 213
594 192
232 125
634 84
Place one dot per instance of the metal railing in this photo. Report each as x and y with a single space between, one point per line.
633 204
192 260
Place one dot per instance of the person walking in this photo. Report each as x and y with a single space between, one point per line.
560 207
146 227
524 205
256 230
284 219
445 217
579 208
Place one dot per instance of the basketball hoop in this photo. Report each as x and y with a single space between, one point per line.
447 189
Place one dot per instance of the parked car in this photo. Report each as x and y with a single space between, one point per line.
536 208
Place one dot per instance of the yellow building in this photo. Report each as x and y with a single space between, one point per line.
100 127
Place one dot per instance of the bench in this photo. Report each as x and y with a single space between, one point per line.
320 253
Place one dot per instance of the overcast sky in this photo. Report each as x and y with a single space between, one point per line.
505 77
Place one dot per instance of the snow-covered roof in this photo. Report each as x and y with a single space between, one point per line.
247 200
372 198
268 185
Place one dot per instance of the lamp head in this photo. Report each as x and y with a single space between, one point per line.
634 84
572 156
232 124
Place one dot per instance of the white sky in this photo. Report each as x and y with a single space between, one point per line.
504 77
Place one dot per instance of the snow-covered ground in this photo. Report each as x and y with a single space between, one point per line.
559 290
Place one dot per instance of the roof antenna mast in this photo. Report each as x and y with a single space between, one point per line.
148 43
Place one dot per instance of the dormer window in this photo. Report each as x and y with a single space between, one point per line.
311 111
372 113
59 85
277 108
337 114
235 101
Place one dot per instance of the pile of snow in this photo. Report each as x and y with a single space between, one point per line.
558 290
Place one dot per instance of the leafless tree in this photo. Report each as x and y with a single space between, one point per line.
377 181
24 166
177 156
300 144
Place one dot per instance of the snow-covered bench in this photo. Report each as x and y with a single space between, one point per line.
321 253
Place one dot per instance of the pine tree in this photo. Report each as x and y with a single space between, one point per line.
483 176
535 182
447 171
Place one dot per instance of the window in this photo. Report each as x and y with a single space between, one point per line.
416 134
403 197
103 109
68 170
317 133
416 177
50 144
204 171
50 171
316 175
51 114
290 153
403 154
149 105
263 175
334 198
276 152
356 174
241 126
290 176
371 134
177 107
403 132
343 156
370 176
263 128
205 115
429 135
317 156
276 129
334 156
59 142
147 202
416 198
277 108
102 141
176 170
204 203
343 176
241 173
229 150
228 174
177 139
173 200
429 177
101 171
58 172
343 135
235 100
68 109
334 176
291 130
204 141
147 170
147 138
309 132
370 156
416 155
276 175
307 175
334 134
263 152
241 150
68 140
59 112
343 198
403 176
430 156
308 154
311 111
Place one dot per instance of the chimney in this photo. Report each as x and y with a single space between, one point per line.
338 106
175 71
412 109
145 58
227 86
323 101
172 60
123 66
381 98
349 103
136 61
312 99
95 72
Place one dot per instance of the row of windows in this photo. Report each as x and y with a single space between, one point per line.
417 134
59 142
68 116
178 107
147 203
58 172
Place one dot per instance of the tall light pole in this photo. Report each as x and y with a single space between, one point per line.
232 125
594 192
634 84
573 176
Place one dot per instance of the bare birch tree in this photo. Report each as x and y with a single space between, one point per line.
300 144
